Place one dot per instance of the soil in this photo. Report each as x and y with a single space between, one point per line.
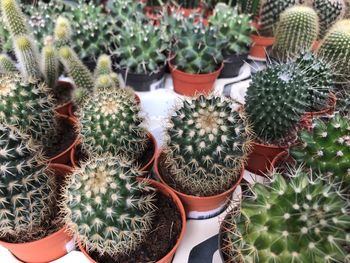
166 227
63 93
61 138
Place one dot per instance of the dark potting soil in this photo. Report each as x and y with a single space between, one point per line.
165 232
62 137
62 94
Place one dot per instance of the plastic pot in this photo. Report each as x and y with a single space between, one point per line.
168 192
141 82
280 159
259 46
261 157
232 65
200 207
193 84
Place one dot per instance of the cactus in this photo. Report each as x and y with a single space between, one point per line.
14 18
270 13
296 31
301 220
111 122
50 65
26 189
108 210
104 66
206 147
335 48
126 11
236 29
329 11
62 32
7 65
326 149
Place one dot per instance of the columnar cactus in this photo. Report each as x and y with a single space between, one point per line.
104 66
297 30
50 65
7 65
207 145
326 149
26 189
14 18
301 220
106 207
62 33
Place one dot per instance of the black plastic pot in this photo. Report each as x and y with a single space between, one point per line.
232 65
141 82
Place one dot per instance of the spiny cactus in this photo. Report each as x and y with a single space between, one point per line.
301 220
106 207
235 28
14 18
326 149
296 31
62 32
335 48
7 65
111 122
104 66
126 11
50 65
270 13
26 189
207 145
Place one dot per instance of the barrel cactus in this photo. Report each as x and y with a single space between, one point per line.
297 30
207 145
26 188
104 205
301 220
126 11
326 149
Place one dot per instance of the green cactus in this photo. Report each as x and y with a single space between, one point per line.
26 189
106 207
335 48
250 7
326 149
7 65
14 18
301 220
297 30
270 13
62 32
207 145
329 11
104 66
235 28
126 11
50 65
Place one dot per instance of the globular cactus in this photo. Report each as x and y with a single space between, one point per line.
297 30
26 189
298 220
270 14
326 148
50 65
111 122
207 145
104 205
7 65
126 11
233 27
335 48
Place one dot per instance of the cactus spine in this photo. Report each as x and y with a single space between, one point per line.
50 65
62 32
14 18
104 66
7 66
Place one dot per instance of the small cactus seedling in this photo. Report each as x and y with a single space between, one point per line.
104 205
301 220
207 145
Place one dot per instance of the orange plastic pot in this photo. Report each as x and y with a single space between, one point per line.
260 159
197 204
259 46
193 84
169 193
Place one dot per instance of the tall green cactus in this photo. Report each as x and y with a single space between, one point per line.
7 65
104 66
50 65
62 32
207 145
301 220
108 210
14 18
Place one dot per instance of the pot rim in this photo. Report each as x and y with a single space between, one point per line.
331 104
272 146
185 74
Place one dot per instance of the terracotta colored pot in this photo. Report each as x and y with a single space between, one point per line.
279 159
261 157
60 169
64 108
193 84
168 192
196 204
259 46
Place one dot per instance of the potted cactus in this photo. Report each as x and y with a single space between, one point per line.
113 215
236 28
301 219
197 58
187 7
203 158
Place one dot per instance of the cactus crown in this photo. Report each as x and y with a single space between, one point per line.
301 220
104 66
106 207
62 32
235 28
207 145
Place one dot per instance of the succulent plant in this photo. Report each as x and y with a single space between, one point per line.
126 11
104 66
235 28
7 65
26 188
335 48
108 210
301 220
270 13
326 148
207 145
297 30
50 65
